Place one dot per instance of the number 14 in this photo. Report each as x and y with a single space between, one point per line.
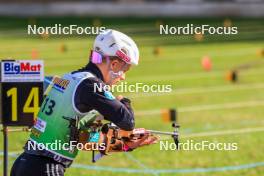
33 96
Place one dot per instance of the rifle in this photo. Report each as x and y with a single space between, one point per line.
115 139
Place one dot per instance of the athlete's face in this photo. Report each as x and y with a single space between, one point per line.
117 66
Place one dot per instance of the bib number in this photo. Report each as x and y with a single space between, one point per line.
48 106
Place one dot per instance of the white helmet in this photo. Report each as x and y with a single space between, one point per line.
114 43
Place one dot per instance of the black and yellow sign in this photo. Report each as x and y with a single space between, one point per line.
20 102
169 115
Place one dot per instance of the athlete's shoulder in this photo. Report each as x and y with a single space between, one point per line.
81 75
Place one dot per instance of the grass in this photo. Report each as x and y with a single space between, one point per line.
178 64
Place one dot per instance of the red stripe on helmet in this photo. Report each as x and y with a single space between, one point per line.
123 56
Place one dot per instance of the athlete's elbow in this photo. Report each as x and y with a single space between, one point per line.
127 123
130 125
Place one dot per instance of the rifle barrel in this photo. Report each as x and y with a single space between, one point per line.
162 132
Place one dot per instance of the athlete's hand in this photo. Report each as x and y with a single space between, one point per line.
119 97
124 100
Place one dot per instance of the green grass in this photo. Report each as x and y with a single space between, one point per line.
179 64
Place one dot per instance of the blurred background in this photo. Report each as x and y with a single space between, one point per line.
217 80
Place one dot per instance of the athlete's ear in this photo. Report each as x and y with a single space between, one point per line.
115 65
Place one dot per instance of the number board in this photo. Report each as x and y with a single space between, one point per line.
21 102
21 91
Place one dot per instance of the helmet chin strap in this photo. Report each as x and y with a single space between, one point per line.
116 74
